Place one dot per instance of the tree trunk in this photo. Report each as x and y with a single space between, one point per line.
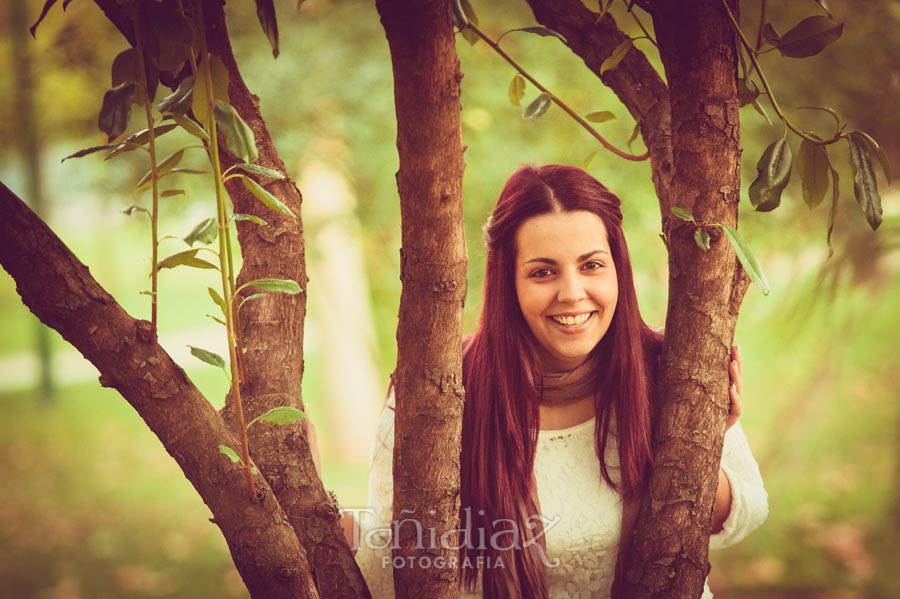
669 551
428 379
692 130
61 292
272 337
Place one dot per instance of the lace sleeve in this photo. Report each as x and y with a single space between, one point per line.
374 553
749 502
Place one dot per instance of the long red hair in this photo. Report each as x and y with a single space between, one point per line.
501 373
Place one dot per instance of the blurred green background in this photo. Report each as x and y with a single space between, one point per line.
94 507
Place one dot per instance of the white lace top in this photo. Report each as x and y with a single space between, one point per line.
582 516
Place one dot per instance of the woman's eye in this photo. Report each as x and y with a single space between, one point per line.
593 265
540 273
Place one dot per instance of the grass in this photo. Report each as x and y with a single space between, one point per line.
94 506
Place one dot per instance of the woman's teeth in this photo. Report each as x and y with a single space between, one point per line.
572 321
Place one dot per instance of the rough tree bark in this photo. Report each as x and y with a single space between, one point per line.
669 552
272 335
692 130
63 295
428 379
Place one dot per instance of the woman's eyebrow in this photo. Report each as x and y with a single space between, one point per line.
552 262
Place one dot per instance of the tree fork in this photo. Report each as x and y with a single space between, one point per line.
635 82
61 292
428 378
272 337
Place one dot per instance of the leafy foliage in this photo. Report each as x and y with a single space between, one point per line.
773 174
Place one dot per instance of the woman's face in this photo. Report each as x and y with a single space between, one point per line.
566 284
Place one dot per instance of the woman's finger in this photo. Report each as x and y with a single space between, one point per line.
734 373
734 412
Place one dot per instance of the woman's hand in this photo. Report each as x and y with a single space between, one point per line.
735 373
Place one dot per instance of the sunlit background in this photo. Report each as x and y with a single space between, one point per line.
92 505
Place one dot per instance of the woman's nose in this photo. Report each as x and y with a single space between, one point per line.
571 289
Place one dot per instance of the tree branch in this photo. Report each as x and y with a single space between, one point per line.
63 295
634 81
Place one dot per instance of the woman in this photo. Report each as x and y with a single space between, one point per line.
560 400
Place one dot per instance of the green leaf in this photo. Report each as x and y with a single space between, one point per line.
191 126
278 285
265 11
603 10
262 170
185 258
116 109
589 159
265 197
216 69
162 168
613 60
600 117
770 34
809 37
217 299
459 16
759 108
217 319
201 263
131 209
250 217
879 151
125 68
537 108
171 192
181 100
542 31
747 91
281 416
241 142
90 150
773 174
463 14
139 139
865 186
835 195
683 214
701 236
251 298
748 260
634 132
517 89
204 355
813 168
230 454
205 232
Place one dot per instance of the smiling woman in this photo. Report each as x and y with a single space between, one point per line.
560 377
567 291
